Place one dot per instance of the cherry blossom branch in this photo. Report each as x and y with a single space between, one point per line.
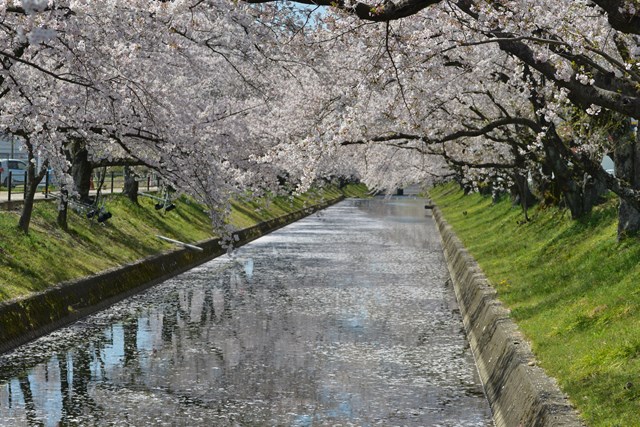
385 138
395 69
472 132
22 11
213 49
620 18
45 71
474 165
490 127
580 94
620 66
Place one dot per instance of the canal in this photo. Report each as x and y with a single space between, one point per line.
345 318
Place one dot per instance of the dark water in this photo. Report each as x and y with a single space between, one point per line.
342 319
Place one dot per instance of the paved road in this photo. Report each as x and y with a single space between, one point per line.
17 195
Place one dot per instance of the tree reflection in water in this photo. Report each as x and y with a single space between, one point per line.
328 321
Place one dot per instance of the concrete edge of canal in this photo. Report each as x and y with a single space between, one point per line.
25 319
519 392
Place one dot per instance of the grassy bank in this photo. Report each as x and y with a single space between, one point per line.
573 290
48 255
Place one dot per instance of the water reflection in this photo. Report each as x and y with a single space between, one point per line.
342 318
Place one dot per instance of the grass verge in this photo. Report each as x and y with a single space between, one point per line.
48 255
573 290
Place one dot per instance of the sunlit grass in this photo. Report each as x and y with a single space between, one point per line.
573 290
48 255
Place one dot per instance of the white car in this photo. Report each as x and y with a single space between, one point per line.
17 169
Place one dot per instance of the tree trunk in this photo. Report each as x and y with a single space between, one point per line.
81 170
521 194
593 191
130 185
63 209
563 177
33 180
627 164
27 205
29 404
556 158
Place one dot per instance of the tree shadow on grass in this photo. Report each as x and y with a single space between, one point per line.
620 390
248 213
561 285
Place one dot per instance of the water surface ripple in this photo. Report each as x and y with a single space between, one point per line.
344 318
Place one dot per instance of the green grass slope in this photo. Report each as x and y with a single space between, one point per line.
48 255
573 290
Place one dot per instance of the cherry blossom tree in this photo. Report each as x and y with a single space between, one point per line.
165 85
219 97
578 54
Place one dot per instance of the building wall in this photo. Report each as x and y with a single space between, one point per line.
9 152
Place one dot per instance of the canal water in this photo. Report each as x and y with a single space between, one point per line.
345 318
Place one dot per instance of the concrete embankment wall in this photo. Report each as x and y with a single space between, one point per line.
519 392
25 319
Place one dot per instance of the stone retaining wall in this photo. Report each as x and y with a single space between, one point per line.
519 392
26 319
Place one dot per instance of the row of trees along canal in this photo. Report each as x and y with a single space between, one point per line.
220 97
